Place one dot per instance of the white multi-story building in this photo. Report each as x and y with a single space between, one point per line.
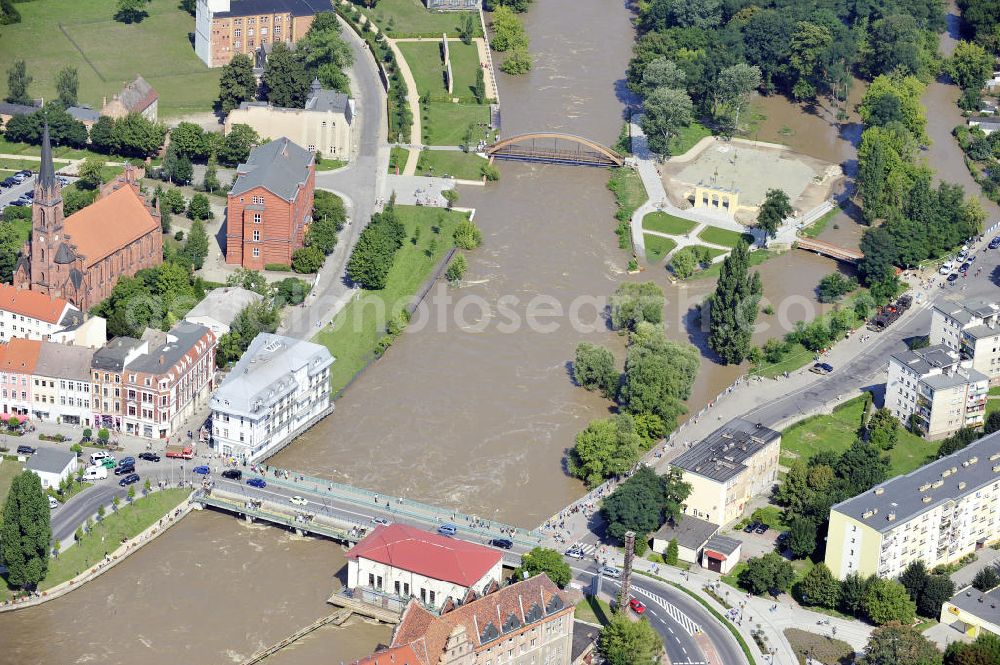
277 390
973 330
936 514
34 315
940 392
60 389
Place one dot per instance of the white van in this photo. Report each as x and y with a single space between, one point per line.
98 457
946 268
95 473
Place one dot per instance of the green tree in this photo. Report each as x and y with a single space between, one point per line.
173 200
131 11
286 82
970 65
518 62
131 492
809 45
237 83
190 140
67 83
236 146
211 180
936 592
670 556
102 134
735 88
984 651
376 248
894 644
819 587
887 600
328 207
196 245
644 501
659 374
773 212
548 561
627 642
291 291
508 31
479 89
456 269
594 369
883 429
802 537
852 593
18 81
662 73
732 308
91 173
322 235
986 579
607 447
450 197
307 260
633 303
467 235
769 572
834 286
199 208
992 423
25 531
136 136
666 111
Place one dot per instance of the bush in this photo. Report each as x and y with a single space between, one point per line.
278 267
307 260
467 235
490 172
179 236
456 270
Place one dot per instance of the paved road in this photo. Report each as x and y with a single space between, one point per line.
360 184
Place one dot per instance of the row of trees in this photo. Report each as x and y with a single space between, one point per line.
19 81
510 37
376 249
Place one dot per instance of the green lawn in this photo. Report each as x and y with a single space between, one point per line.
995 391
426 65
628 189
819 225
688 137
724 237
331 164
664 223
756 258
409 18
593 610
463 165
128 522
796 357
657 247
352 336
822 648
445 123
464 65
397 159
57 33
837 431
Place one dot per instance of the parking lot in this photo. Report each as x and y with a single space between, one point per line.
26 188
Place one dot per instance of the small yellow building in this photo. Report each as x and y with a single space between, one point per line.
972 611
730 466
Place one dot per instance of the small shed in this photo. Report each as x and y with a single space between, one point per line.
52 465
721 554
691 533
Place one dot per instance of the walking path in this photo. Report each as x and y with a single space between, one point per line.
485 59
413 99
689 239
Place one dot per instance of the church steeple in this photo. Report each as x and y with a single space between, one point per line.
47 188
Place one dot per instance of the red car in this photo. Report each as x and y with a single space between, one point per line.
636 605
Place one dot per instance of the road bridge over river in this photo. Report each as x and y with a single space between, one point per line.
555 148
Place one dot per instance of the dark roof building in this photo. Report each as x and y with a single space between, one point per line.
281 167
723 453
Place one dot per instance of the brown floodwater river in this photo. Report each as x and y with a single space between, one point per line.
474 414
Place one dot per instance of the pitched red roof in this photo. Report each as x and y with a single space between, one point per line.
428 554
19 355
401 655
35 304
485 621
95 238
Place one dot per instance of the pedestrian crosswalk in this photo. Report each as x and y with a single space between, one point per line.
586 548
690 626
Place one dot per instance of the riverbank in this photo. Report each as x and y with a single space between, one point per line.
133 526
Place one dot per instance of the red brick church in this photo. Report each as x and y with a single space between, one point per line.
82 257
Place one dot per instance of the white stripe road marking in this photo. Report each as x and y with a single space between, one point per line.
686 623
677 639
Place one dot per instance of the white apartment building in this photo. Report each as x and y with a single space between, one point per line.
936 514
61 384
972 330
937 389
277 390
34 315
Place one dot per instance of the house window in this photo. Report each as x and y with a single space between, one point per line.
256 251
256 218
238 33
258 200
256 235
238 44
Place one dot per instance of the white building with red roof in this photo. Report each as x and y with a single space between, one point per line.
408 562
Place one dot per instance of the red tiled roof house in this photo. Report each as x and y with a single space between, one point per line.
407 562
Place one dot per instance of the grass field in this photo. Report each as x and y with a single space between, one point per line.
664 223
458 164
57 33
128 522
445 123
756 258
724 237
409 18
838 431
593 610
424 59
353 334
819 225
657 247
397 159
688 137
331 164
822 648
464 65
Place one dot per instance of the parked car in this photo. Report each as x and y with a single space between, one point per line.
232 474
761 529
946 268
126 461
749 528
53 503
95 473
129 479
447 529
109 463
611 571
202 470
821 368
964 267
298 501
25 450
636 605
994 243
952 277
149 457
95 458
502 543
259 483
575 552
381 521
123 469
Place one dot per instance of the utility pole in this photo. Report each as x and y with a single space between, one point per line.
623 593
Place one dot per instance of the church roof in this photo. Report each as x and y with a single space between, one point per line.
64 254
47 171
94 234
